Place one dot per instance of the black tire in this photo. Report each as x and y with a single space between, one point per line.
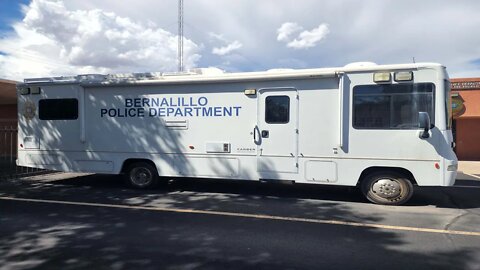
387 188
141 175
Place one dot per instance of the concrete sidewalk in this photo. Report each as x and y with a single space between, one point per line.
468 170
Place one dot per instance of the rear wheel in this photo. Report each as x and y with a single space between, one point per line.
142 175
387 188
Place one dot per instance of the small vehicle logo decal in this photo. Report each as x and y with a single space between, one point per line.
29 110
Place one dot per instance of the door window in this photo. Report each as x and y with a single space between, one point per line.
277 109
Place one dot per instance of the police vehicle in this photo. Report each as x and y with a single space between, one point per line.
384 128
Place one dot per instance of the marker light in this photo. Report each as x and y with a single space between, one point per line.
403 76
437 166
382 77
452 168
35 90
250 92
24 91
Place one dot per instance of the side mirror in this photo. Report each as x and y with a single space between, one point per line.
424 123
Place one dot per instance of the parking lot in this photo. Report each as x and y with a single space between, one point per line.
71 221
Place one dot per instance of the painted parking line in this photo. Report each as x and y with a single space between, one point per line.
254 216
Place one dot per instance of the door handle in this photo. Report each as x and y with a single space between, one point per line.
255 131
265 133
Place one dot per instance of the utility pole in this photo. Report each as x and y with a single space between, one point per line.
180 35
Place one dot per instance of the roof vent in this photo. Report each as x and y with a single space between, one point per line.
274 70
210 71
360 64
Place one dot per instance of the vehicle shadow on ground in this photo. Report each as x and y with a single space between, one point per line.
463 195
220 186
72 237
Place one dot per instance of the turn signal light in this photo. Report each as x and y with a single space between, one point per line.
403 76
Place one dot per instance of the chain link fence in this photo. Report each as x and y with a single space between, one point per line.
8 155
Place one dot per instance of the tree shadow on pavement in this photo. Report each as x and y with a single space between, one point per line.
46 236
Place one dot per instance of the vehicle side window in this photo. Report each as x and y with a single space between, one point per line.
392 106
277 109
58 109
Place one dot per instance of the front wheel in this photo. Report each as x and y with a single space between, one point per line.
141 175
387 188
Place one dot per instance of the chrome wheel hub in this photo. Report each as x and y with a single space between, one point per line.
141 176
386 188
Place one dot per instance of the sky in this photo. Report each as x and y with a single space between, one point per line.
41 38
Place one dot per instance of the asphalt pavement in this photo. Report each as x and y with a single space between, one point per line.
71 221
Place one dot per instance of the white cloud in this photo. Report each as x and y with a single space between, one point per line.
235 45
227 47
308 39
219 37
287 29
78 36
305 39
52 40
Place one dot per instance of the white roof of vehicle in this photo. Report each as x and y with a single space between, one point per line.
215 74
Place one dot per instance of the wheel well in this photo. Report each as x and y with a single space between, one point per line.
130 161
404 172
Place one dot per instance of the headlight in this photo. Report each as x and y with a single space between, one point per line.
453 167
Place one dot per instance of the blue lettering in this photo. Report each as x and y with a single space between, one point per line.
192 103
237 109
119 114
137 102
111 113
197 111
202 101
206 111
131 112
164 102
227 111
152 112
141 112
217 111
178 112
176 106
171 103
161 112
188 111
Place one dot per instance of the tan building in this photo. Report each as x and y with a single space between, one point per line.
8 126
466 117
8 103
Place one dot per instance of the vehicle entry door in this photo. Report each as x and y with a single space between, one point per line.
276 133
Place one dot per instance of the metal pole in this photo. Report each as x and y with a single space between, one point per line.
180 35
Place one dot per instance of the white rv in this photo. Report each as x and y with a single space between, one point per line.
384 128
